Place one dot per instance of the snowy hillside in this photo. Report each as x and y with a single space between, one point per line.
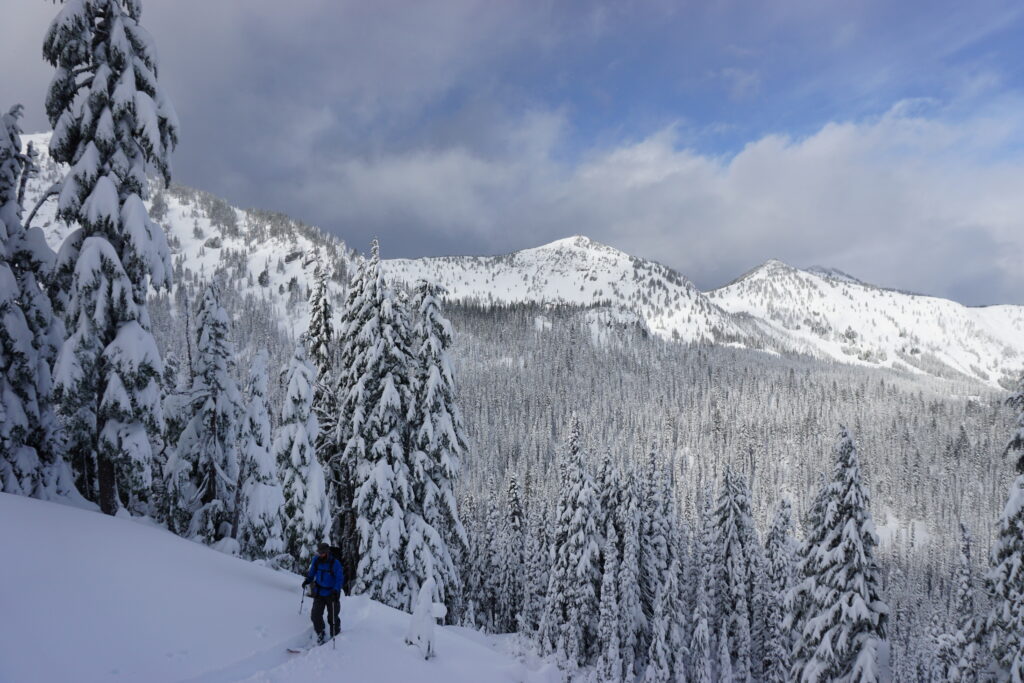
578 270
205 235
831 314
87 598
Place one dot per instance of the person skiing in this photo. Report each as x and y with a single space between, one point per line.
327 578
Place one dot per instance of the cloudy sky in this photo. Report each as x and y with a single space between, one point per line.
883 138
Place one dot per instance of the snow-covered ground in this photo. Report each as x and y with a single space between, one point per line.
85 597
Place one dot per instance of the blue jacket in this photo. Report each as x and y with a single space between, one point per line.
327 576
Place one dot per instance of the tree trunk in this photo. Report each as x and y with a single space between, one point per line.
107 484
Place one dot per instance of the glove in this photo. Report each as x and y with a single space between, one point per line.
305 583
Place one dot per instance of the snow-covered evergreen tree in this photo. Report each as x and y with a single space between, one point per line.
204 468
306 509
261 503
609 660
725 670
845 618
654 540
31 459
659 652
780 555
356 314
378 404
700 639
569 623
734 577
536 565
111 122
510 561
666 653
968 629
632 622
320 335
437 435
1005 579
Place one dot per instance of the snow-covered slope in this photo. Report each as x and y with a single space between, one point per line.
205 235
578 270
834 315
85 597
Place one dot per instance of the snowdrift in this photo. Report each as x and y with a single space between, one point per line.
85 597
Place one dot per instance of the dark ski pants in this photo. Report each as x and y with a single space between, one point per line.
332 604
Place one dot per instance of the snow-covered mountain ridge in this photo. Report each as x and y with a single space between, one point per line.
839 317
578 270
776 307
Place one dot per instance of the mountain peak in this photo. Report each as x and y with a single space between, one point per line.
573 242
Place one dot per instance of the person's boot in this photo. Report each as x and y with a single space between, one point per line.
320 638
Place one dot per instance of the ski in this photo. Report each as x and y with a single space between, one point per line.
301 650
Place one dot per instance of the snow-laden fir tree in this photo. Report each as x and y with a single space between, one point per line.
654 540
734 573
321 354
659 654
780 556
609 491
31 462
437 435
471 568
943 653
700 639
204 468
354 317
1005 578
489 554
261 503
378 404
799 603
111 122
536 565
725 670
609 660
845 618
665 660
306 509
510 561
569 623
632 622
968 630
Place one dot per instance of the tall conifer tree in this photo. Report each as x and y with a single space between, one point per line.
1005 579
261 501
111 122
306 511
378 404
845 618
204 468
31 460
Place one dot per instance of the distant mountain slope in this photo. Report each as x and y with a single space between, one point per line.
206 234
840 317
578 270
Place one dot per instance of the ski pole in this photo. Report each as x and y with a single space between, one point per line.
302 601
335 626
